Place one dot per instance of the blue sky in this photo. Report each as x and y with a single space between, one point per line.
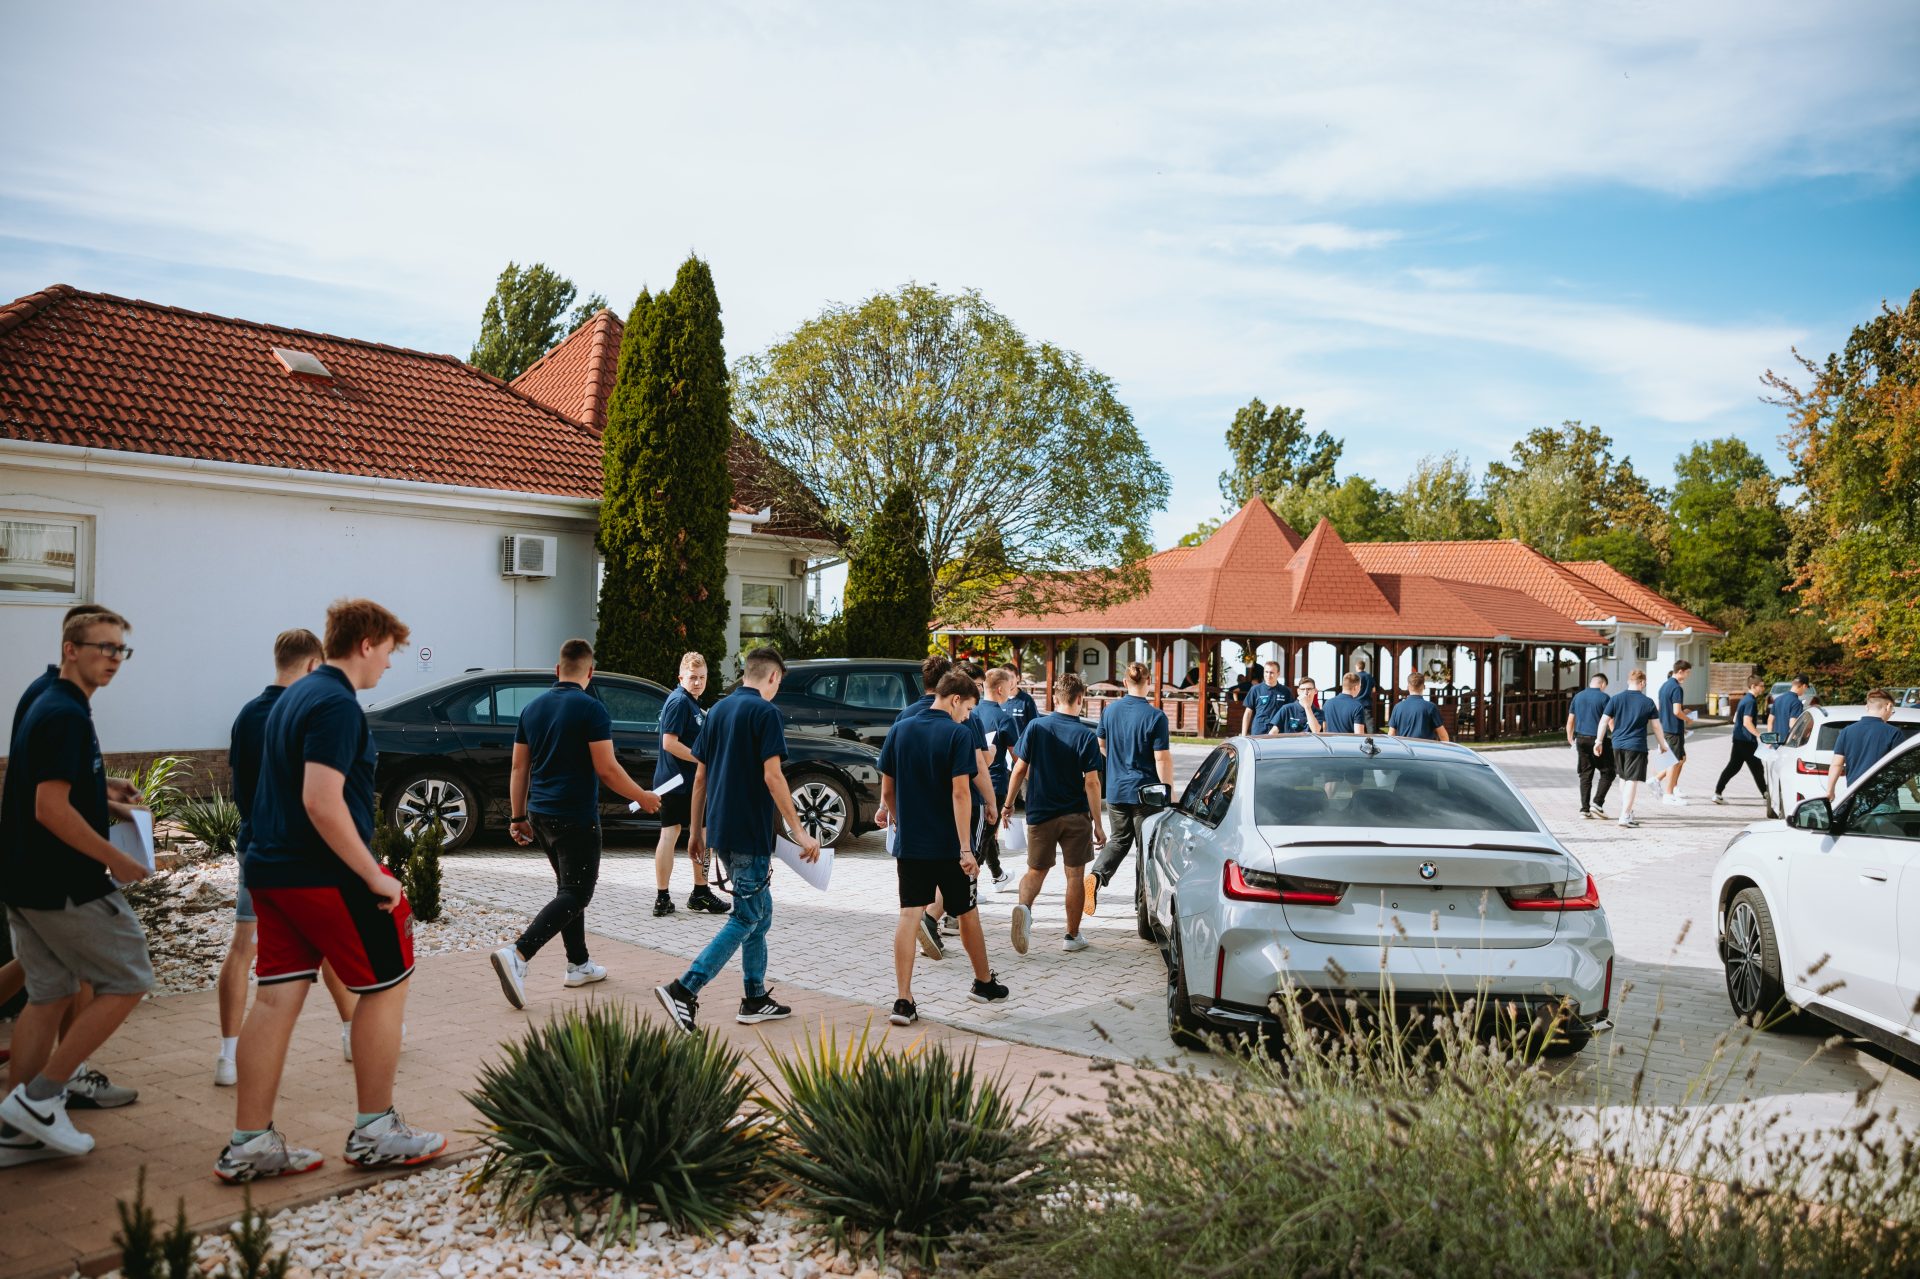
1433 227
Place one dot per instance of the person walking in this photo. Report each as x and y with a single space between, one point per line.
1344 712
680 721
296 653
1746 742
933 669
321 895
1862 743
1674 717
998 728
738 789
69 921
1135 738
1365 693
1060 756
1787 708
1584 713
562 755
1264 701
1629 715
927 767
1415 716
1020 704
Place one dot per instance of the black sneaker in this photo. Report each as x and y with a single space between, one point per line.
989 991
904 1013
681 1006
930 944
703 900
662 904
762 1008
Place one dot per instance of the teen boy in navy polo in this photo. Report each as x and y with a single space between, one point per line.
1061 757
1862 743
737 790
680 721
1134 738
1673 721
562 753
1001 732
1297 716
1584 712
1629 715
1787 707
1020 704
69 921
320 894
1746 742
1365 692
1264 702
927 767
1344 712
1415 716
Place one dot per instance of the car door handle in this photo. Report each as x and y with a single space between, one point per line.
1877 876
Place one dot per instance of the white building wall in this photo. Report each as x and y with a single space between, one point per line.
209 574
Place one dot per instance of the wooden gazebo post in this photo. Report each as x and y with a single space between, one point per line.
1160 650
1053 649
1206 702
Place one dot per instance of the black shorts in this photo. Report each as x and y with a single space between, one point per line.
1677 743
921 877
1630 765
676 806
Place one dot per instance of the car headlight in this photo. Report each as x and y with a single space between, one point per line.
1737 837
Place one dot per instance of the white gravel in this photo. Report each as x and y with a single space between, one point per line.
429 1224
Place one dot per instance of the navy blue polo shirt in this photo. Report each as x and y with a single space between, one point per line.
1864 742
1671 699
316 721
682 717
1024 709
41 683
993 718
54 742
1587 706
1059 752
1263 704
558 729
915 707
1366 687
1294 718
245 745
1749 707
743 731
1630 712
923 754
1415 716
1342 712
1133 729
1786 708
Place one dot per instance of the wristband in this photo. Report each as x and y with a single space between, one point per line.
515 821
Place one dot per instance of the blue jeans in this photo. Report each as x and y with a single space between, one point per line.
744 931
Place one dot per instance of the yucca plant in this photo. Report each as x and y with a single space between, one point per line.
155 780
600 1109
422 877
913 1147
214 822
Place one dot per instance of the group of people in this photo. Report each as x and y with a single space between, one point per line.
1275 709
313 898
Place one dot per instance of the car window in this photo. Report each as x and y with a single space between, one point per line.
470 706
509 700
634 710
1830 732
878 690
826 687
1217 798
1888 804
1203 777
1401 794
1802 729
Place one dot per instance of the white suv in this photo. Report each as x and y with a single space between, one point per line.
1798 770
1833 889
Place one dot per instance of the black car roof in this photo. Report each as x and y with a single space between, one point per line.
440 686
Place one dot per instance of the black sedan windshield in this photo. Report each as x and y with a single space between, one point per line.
1402 793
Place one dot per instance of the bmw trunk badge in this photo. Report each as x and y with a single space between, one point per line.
1428 870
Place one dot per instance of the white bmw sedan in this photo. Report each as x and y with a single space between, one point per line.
1341 863
1812 910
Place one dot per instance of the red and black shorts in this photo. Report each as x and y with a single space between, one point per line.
370 949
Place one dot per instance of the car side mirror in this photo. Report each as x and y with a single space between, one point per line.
1813 814
1156 795
1769 739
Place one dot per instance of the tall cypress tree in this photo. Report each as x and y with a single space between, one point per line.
889 602
667 491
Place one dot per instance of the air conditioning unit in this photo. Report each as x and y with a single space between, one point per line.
526 555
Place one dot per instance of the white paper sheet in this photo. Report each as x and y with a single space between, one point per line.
1013 836
990 738
664 788
1659 762
135 838
818 874
893 840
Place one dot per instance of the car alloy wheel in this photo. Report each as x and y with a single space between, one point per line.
1752 959
434 796
823 808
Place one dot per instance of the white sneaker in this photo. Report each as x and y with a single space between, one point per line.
1001 880
1073 942
346 1040
45 1122
585 974
512 971
1022 925
21 1149
225 1073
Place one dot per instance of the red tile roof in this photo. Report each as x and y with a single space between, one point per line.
1510 564
1614 582
1324 575
96 371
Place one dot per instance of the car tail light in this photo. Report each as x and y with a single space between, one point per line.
1552 897
1244 885
1808 766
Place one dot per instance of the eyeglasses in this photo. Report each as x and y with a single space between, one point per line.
111 649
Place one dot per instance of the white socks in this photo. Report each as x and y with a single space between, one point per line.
228 1046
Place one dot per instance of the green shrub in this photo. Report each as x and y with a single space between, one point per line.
599 1109
156 781
145 1253
912 1146
214 822
422 878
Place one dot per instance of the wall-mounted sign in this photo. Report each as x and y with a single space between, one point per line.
426 656
1090 658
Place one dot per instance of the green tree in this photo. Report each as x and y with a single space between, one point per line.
889 600
1729 533
1627 549
1271 451
525 317
1360 510
667 488
1542 506
1854 441
1597 493
1034 486
1204 530
1441 502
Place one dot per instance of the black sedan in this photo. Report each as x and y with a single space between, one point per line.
853 697
446 751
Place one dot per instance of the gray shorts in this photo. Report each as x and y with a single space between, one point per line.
100 943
